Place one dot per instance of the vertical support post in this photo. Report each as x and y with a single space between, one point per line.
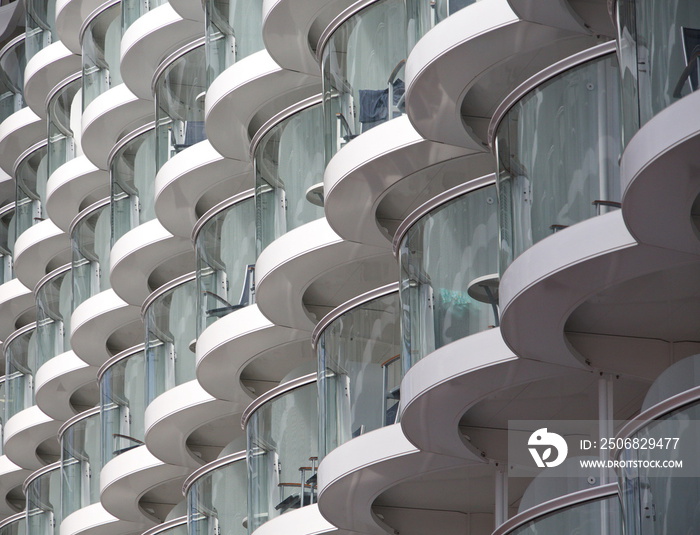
501 496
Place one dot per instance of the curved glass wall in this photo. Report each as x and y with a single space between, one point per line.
40 25
443 257
54 296
176 526
170 318
225 249
64 119
101 53
31 175
12 63
363 68
3 400
659 56
288 162
179 91
359 370
90 236
282 451
233 32
14 525
43 494
217 499
133 9
132 171
123 402
80 461
20 349
7 242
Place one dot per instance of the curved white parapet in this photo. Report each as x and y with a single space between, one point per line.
38 250
193 181
74 186
189 9
70 15
18 132
585 16
386 173
148 41
127 477
304 521
17 304
242 338
142 251
11 477
95 520
246 95
104 325
44 71
290 264
58 380
352 476
25 432
110 115
451 100
174 415
659 179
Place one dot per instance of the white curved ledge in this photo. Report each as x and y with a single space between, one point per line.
140 252
95 520
290 264
38 250
127 477
74 186
304 521
56 382
188 9
148 41
104 325
351 477
44 71
25 432
70 15
110 115
225 348
11 477
246 95
18 132
387 159
503 51
174 415
583 16
16 307
195 177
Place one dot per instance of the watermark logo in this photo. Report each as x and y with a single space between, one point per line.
543 445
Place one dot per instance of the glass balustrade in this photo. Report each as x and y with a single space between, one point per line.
123 402
40 23
359 368
557 152
20 350
64 112
288 171
224 241
133 9
14 525
7 242
448 259
31 175
54 294
170 318
12 63
179 90
3 403
101 43
43 493
441 9
176 526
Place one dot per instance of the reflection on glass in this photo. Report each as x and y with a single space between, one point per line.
40 25
441 257
179 92
176 526
288 162
31 175
53 310
20 349
359 370
123 402
282 453
363 68
80 461
133 9
590 518
225 250
90 242
170 319
7 241
444 8
43 498
14 525
3 399
64 111
12 63
233 32
558 150
101 53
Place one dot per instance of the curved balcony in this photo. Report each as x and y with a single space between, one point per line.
224 241
63 108
7 242
44 71
70 16
31 174
176 526
11 477
40 22
247 95
95 520
12 64
359 367
16 307
189 10
43 497
14 525
39 250
574 15
30 439
148 41
298 522
18 132
7 187
20 352
53 310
